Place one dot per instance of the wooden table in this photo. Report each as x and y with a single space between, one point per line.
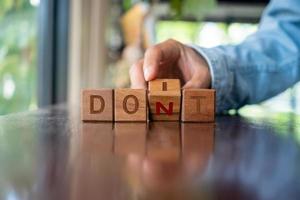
51 154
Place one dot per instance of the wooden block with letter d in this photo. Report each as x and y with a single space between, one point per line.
97 105
164 99
130 105
198 105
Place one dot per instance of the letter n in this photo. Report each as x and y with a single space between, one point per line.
159 106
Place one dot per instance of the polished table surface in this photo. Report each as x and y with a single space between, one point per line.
51 154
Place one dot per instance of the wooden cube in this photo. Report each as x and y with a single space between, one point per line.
198 105
164 99
97 105
130 105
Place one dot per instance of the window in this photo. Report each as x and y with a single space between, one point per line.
18 55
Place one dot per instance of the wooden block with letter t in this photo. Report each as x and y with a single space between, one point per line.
97 105
130 105
198 105
164 99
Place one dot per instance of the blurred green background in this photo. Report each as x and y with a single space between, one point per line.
18 50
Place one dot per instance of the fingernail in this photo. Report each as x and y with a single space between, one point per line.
147 73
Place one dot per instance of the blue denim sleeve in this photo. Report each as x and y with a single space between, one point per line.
265 64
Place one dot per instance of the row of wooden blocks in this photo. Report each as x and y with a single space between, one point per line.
166 102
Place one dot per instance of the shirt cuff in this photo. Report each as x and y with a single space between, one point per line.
222 78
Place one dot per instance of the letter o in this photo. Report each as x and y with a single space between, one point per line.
136 104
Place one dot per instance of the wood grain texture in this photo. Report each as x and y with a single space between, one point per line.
164 85
130 105
197 144
96 138
47 146
197 139
164 100
163 141
130 138
198 105
97 105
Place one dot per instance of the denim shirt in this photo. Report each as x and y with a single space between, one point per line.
264 65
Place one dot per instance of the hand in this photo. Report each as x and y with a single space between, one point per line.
171 59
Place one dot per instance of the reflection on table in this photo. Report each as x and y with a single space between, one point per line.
159 160
51 154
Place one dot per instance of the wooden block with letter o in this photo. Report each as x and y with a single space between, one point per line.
198 105
164 99
130 105
97 105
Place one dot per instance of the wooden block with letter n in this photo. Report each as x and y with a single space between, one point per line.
164 99
198 105
97 105
130 105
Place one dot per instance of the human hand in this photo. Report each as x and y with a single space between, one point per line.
171 59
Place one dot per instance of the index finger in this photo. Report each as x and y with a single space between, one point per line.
160 55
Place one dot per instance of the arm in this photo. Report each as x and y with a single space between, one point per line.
265 64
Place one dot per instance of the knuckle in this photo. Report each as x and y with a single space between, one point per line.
153 50
171 40
175 43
